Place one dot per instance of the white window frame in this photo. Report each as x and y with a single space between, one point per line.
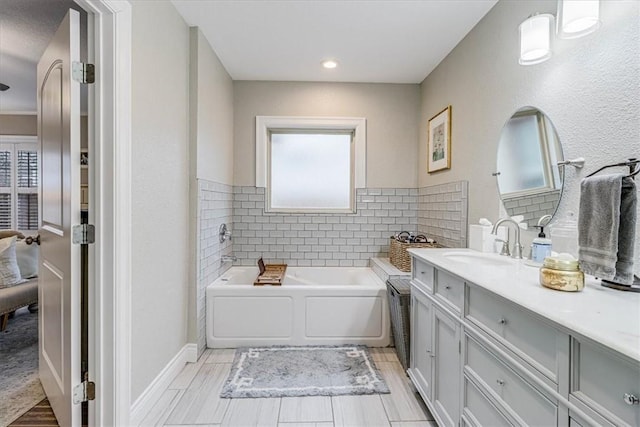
264 124
14 143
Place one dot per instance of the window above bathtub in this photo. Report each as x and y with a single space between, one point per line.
310 164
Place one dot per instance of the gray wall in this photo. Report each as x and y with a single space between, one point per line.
210 174
391 110
160 188
18 124
589 89
214 114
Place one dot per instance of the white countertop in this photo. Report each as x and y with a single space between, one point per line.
604 315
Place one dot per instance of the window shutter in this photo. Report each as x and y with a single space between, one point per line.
27 180
19 186
28 211
5 211
27 169
5 168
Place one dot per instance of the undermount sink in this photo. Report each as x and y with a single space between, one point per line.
478 258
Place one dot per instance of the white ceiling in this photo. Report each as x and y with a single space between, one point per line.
374 41
26 26
284 40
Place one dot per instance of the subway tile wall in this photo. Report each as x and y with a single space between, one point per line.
318 239
442 213
215 207
340 240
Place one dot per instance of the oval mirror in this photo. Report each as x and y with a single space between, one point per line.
529 178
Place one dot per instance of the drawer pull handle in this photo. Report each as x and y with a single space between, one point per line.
447 287
630 399
500 382
422 272
502 321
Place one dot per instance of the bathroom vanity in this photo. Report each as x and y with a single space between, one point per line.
490 346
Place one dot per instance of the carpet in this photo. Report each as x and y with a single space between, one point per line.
20 387
282 371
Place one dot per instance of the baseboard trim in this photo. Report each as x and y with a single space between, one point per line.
143 404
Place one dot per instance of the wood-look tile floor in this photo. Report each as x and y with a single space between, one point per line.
193 400
40 415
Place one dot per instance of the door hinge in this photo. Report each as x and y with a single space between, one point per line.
84 73
84 234
84 392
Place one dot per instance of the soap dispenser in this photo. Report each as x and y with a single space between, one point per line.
541 246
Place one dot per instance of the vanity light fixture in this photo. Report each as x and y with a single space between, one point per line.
330 63
577 18
535 39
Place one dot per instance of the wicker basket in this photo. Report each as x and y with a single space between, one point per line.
398 255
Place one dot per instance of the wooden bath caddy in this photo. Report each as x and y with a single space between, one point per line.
270 274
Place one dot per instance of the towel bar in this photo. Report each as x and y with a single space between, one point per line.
632 164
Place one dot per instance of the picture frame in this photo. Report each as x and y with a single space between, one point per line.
84 158
439 141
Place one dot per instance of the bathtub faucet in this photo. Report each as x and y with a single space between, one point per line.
227 258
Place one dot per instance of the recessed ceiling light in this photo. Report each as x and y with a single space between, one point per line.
329 63
3 87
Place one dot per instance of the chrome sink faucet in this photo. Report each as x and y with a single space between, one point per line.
517 246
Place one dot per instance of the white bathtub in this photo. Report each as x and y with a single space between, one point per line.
314 305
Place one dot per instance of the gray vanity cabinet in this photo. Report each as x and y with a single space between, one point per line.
446 377
480 359
421 359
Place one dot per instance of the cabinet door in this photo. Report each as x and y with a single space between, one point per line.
605 382
446 381
421 365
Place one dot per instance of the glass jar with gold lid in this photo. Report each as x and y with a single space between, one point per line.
562 273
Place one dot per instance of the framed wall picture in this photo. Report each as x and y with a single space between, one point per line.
439 149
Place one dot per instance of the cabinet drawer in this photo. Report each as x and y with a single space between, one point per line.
524 400
479 409
423 273
601 379
450 290
529 337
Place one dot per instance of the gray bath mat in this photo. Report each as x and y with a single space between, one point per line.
303 371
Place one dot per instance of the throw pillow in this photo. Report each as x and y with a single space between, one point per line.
27 256
9 270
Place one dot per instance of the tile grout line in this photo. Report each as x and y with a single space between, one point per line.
333 413
384 408
226 409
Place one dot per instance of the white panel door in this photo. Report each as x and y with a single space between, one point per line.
59 276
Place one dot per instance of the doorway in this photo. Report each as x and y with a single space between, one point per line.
28 26
108 346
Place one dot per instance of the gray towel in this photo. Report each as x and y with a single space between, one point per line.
607 227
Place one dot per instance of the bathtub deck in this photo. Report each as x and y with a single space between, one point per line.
192 399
